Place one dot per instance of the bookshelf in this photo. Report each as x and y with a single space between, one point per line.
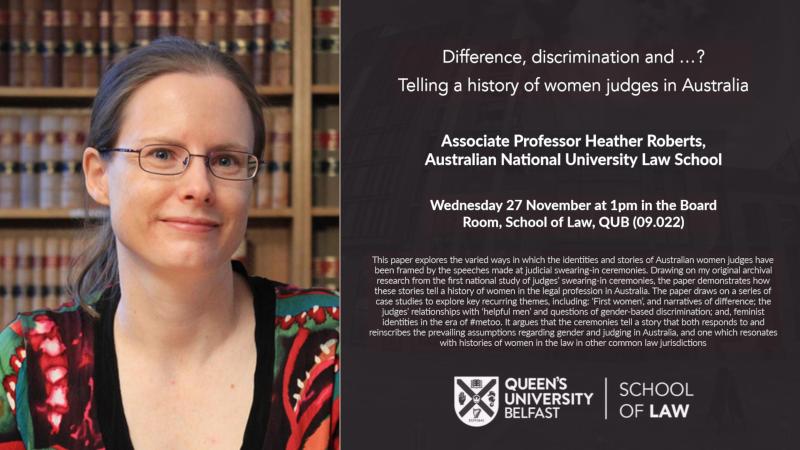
269 229
86 93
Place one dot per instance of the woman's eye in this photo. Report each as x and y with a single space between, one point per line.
225 161
162 154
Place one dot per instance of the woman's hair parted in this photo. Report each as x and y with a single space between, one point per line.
96 268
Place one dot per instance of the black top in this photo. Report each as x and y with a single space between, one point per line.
107 396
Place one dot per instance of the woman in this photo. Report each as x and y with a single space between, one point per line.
169 344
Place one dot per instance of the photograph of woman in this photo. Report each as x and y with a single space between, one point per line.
168 343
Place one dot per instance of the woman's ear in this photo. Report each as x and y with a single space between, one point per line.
96 174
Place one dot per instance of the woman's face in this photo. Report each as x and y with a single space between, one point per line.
149 212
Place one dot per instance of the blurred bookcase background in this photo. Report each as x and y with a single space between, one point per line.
52 56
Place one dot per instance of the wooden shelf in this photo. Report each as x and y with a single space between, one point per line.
284 213
288 231
48 214
7 92
80 213
275 91
325 89
46 92
325 211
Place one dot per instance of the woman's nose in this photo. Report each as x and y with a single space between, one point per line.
196 180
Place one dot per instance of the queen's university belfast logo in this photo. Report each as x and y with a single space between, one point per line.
476 399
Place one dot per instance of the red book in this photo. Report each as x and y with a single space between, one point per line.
326 42
121 28
32 59
203 27
89 48
184 24
280 47
71 54
166 18
262 21
221 23
144 22
242 33
15 36
51 35
4 42
104 30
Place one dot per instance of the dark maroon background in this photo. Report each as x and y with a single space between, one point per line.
398 394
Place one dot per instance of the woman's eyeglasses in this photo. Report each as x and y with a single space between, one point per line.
166 159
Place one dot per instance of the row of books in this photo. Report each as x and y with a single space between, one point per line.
325 157
40 157
272 186
71 43
325 256
34 270
326 41
41 152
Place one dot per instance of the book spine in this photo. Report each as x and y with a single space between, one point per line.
15 37
29 155
23 289
262 21
166 18
144 22
51 37
264 180
330 259
73 141
7 277
203 27
280 46
281 151
32 60
9 159
121 28
50 126
64 264
184 22
105 35
326 42
221 23
51 271
89 44
71 45
318 155
331 146
316 258
5 37
37 272
242 32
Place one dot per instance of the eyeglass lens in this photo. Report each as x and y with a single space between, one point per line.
172 160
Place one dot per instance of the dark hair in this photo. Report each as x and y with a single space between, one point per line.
96 268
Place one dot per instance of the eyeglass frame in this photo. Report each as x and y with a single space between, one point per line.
259 162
